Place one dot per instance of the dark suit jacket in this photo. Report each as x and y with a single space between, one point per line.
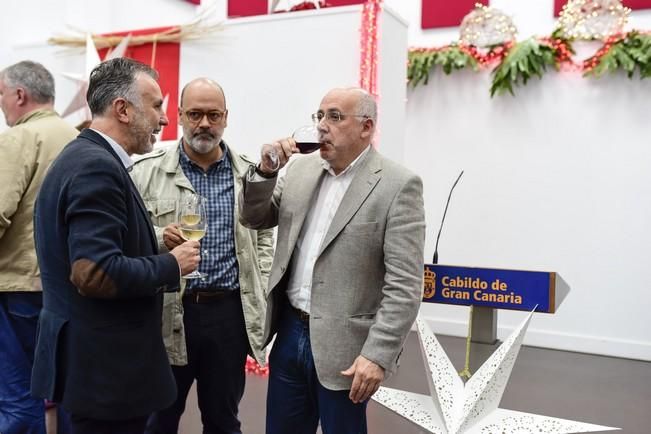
99 350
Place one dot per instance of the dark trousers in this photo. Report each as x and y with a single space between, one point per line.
19 412
296 400
217 346
84 425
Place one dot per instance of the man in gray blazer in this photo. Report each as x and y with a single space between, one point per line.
346 281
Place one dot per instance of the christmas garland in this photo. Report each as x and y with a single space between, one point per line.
628 52
515 63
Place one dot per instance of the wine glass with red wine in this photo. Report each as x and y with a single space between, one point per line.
307 139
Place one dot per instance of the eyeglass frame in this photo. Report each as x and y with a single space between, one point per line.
328 116
206 114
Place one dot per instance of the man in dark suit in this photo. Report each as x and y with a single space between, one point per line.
347 276
100 351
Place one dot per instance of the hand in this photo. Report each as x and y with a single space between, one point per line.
187 255
367 377
283 149
172 236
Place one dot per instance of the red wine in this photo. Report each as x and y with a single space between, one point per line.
307 147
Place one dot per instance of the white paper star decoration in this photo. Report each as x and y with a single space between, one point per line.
455 408
92 60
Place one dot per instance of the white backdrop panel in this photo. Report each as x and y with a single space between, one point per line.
557 179
275 70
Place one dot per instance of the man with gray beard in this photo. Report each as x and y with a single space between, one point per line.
209 327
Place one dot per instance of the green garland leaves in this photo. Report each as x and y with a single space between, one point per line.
525 60
518 63
449 58
629 53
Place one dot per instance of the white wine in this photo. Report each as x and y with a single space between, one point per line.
190 219
193 234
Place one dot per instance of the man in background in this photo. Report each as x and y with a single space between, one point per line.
210 327
347 278
36 137
100 351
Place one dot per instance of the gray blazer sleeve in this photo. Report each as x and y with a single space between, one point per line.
259 201
403 281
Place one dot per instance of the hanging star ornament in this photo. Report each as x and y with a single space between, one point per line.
92 60
455 408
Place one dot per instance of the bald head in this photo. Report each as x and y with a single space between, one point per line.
202 83
365 104
347 125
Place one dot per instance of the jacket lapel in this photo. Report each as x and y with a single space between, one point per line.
98 139
363 183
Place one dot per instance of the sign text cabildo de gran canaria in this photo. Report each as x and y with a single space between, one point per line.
502 289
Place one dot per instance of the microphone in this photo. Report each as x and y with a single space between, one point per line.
435 259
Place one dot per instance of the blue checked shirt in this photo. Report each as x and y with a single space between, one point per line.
218 258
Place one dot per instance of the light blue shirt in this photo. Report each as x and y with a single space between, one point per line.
122 154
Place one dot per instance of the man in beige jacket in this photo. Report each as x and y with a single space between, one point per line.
347 278
210 327
36 137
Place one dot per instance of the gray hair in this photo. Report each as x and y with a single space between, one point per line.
31 76
366 106
115 78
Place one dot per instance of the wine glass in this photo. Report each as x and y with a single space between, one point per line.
192 224
307 139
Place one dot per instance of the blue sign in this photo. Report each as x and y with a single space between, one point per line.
501 289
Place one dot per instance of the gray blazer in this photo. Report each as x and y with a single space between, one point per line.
368 279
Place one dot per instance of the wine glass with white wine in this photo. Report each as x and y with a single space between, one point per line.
192 224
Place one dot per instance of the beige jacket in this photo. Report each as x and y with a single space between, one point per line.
26 151
162 184
367 281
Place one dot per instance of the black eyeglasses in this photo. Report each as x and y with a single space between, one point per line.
196 116
333 116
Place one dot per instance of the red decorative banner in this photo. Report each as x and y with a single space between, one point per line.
633 4
164 58
242 8
446 13
344 2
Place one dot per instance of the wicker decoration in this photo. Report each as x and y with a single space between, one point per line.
195 30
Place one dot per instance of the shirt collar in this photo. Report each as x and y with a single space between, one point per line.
35 114
327 167
126 160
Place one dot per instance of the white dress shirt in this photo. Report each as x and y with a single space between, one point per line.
316 225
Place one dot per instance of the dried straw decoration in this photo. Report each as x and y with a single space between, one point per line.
192 31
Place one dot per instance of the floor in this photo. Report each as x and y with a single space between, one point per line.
586 388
